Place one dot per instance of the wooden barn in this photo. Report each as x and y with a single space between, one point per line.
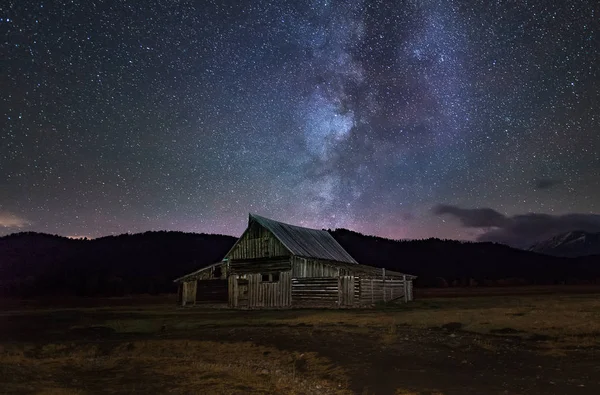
276 265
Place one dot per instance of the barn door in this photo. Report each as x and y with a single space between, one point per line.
346 291
242 292
211 291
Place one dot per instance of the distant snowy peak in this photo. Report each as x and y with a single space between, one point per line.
563 239
570 244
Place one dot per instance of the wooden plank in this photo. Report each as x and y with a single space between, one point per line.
267 294
194 285
259 266
310 268
317 294
234 285
315 291
315 280
183 293
383 283
257 242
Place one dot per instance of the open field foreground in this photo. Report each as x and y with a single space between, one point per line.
529 344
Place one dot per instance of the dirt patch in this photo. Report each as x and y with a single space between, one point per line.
453 326
91 332
473 349
168 365
408 363
505 331
539 338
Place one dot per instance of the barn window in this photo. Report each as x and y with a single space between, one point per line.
270 278
217 273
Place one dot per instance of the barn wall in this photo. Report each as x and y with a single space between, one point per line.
269 294
246 288
213 273
374 290
211 291
257 242
353 288
249 290
235 289
315 292
349 291
187 293
306 267
260 265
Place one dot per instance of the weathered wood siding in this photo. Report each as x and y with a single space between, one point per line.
249 290
237 286
349 291
213 273
302 267
260 265
307 267
269 294
211 291
315 292
257 242
374 290
187 293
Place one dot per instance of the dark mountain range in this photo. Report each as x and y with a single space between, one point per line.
440 262
36 263
33 264
571 244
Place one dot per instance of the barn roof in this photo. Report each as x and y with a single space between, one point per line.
194 275
372 271
305 242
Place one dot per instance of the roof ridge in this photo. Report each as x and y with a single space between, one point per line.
285 223
327 246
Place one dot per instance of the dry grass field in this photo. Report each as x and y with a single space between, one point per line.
528 344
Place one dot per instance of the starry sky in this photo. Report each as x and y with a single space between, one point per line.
405 119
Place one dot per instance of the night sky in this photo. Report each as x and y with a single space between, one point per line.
404 119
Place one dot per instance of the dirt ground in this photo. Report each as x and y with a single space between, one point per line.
484 345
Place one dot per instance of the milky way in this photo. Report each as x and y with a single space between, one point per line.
124 116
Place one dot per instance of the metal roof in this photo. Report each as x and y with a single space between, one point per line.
196 273
372 271
305 242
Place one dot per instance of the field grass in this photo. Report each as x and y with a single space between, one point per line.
563 320
559 317
153 348
166 366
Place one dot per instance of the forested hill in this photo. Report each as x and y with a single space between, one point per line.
450 262
33 264
36 263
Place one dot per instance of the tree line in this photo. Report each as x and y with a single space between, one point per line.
36 264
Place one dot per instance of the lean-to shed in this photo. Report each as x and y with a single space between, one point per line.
277 265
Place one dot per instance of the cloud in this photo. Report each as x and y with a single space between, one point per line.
546 183
8 220
521 230
472 218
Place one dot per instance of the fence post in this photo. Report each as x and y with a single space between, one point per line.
383 282
405 289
